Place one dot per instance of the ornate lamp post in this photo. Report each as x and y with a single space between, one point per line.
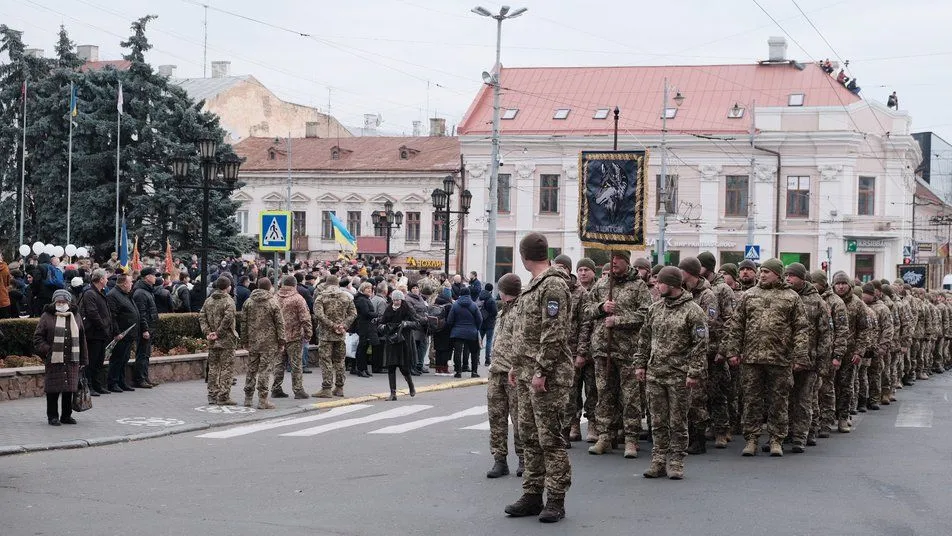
387 220
441 204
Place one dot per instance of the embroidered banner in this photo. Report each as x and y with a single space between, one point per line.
612 199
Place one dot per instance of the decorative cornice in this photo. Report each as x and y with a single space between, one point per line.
525 169
709 172
477 170
766 173
828 172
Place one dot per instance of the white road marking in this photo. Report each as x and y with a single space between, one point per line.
414 425
268 425
480 426
401 411
914 415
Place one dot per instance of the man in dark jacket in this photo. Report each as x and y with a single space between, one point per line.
242 292
124 314
181 295
475 282
464 321
144 299
100 329
162 297
487 308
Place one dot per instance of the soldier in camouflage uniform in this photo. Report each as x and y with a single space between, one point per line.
217 320
861 370
617 306
938 354
879 348
824 405
542 369
746 280
335 312
698 415
885 292
297 331
719 385
672 357
731 275
262 330
580 341
747 275
769 335
819 324
502 399
857 342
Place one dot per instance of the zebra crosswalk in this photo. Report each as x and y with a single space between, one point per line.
354 416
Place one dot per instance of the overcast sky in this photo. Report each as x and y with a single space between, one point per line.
407 59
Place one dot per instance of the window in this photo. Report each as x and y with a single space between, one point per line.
735 202
241 217
327 228
298 224
510 113
670 113
404 154
549 195
503 261
865 267
795 99
798 197
378 229
413 226
271 154
601 113
670 194
672 257
553 253
789 258
502 187
335 154
867 196
439 231
353 222
735 257
561 113
735 112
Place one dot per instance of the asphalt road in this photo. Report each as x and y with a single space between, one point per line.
417 466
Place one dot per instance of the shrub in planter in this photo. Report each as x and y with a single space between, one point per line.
173 327
17 336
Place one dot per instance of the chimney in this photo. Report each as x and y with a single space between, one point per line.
88 52
220 69
437 127
371 122
778 49
417 128
311 129
167 70
34 52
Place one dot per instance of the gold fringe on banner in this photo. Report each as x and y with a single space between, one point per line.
630 201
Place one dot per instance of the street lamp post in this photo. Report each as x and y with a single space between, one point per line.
227 166
387 220
662 189
493 80
441 204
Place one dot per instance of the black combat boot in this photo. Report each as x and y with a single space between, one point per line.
554 510
530 504
522 466
500 468
698 443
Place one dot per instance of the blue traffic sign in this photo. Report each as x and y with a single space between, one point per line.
275 231
752 252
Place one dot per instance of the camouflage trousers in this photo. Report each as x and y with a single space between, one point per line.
582 397
669 404
260 367
503 405
843 387
824 404
547 466
872 386
938 355
618 396
909 360
293 352
332 354
800 411
735 400
709 402
763 383
221 364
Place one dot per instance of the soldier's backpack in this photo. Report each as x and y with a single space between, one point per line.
177 302
435 319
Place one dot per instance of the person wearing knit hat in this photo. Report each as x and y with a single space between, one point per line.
770 330
622 254
565 262
857 320
586 263
606 269
841 278
746 274
707 260
510 284
534 247
617 306
673 366
825 410
502 397
877 356
818 278
796 270
690 266
643 266
60 338
729 270
656 269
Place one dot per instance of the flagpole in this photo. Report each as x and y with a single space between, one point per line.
69 165
23 164
118 143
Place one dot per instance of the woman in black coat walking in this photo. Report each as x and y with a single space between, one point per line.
366 328
396 329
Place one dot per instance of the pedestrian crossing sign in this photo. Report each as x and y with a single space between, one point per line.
752 252
275 231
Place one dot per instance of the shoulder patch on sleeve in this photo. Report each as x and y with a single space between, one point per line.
552 308
712 312
700 330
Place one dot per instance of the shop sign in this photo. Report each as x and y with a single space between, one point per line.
413 262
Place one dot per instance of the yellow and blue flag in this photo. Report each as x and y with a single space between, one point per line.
342 235
73 101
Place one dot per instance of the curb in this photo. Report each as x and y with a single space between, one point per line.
6 450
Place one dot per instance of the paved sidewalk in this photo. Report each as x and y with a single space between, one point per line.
181 407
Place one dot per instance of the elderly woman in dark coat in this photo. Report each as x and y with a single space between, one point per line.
60 340
366 328
396 334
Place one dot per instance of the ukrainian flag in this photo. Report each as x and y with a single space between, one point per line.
73 101
342 235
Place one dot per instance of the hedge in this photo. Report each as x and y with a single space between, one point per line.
175 329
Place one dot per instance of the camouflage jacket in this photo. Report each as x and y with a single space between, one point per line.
935 330
841 328
504 337
946 319
769 327
858 322
725 310
297 319
632 299
820 326
673 341
581 335
334 307
262 325
705 298
218 316
882 342
907 322
918 317
542 330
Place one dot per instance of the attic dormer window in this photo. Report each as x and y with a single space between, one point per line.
404 154
335 154
271 154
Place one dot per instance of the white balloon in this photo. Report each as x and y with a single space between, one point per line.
58 251
82 252
24 250
50 250
70 249
38 247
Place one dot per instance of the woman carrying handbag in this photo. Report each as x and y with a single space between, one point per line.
396 328
59 338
